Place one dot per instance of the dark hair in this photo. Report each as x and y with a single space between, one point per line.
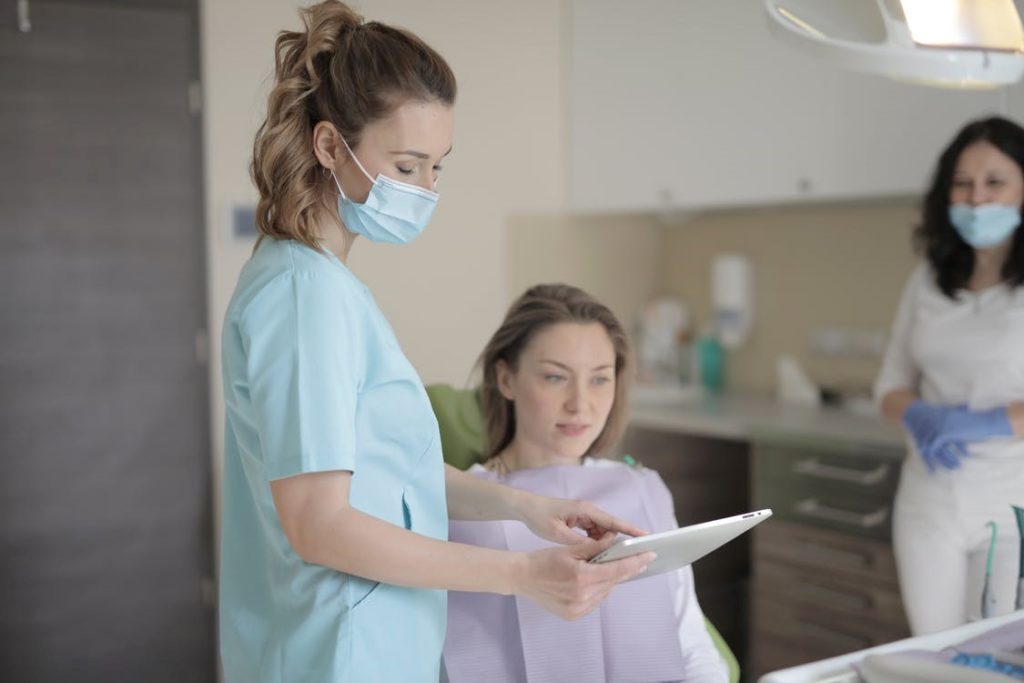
951 258
344 71
538 308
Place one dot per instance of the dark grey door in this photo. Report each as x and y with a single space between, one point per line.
105 513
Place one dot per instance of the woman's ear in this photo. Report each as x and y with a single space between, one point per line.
327 146
505 377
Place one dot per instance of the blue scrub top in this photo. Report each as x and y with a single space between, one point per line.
315 381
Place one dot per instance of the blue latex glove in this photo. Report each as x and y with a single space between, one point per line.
962 426
924 421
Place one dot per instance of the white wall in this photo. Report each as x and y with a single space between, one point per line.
445 292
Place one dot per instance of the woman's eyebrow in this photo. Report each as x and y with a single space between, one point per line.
606 366
418 155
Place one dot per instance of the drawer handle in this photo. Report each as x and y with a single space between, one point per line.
810 507
815 468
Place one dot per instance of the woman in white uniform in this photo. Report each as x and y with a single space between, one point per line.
334 560
953 378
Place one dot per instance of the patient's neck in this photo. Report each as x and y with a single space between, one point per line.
523 455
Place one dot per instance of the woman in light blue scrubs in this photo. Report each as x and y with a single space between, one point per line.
334 558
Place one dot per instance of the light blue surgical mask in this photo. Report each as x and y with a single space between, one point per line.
394 212
984 225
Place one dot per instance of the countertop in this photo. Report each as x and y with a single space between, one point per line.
744 418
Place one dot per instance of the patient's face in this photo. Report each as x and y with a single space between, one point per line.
563 390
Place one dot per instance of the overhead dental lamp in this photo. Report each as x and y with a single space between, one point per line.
947 43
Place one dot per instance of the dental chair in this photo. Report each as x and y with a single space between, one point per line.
902 661
460 422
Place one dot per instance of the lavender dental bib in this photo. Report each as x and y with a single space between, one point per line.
632 636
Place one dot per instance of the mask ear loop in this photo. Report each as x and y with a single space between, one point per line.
337 184
356 159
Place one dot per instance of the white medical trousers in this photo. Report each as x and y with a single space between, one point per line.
941 539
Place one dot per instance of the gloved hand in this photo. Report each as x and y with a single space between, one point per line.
924 421
962 426
942 433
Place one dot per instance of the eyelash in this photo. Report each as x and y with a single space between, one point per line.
558 378
410 171
967 183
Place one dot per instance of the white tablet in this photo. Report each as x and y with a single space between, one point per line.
680 547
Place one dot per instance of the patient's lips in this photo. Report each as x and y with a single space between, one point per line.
572 428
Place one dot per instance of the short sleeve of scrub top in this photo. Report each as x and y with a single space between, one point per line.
305 362
315 381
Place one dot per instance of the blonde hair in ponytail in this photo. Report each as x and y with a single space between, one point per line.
342 70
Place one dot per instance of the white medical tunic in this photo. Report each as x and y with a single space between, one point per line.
968 351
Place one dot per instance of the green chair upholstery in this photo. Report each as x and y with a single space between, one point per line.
724 651
460 422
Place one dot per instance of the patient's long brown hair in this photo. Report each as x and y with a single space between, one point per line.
538 308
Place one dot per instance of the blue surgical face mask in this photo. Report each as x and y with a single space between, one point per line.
984 225
394 212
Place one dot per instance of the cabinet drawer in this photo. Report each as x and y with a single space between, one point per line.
771 653
805 587
792 640
822 552
857 515
819 632
839 468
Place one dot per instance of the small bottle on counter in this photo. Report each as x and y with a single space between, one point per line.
686 370
710 362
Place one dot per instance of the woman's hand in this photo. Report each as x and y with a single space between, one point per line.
942 433
962 427
562 581
555 519
924 422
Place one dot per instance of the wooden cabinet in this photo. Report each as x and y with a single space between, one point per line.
824 576
686 104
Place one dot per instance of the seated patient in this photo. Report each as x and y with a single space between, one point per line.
555 376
